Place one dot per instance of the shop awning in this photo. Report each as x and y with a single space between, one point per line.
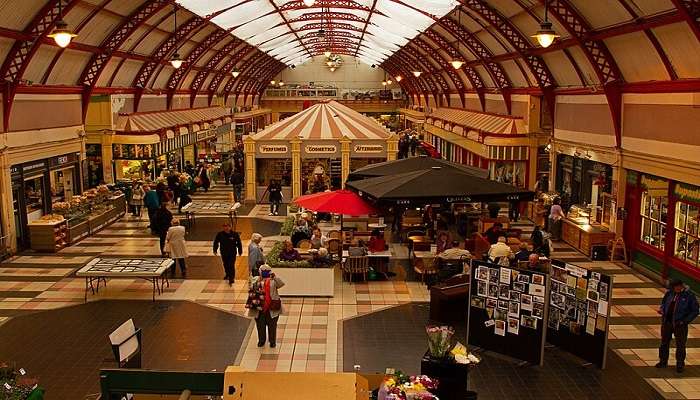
412 164
155 121
482 122
436 185
325 121
461 141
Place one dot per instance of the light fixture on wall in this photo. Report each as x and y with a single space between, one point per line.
417 73
545 35
456 58
309 3
398 78
61 34
175 61
235 73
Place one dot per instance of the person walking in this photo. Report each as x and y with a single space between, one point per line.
275 195
176 246
162 220
152 203
255 254
237 182
679 307
414 144
264 304
227 169
229 242
556 214
203 175
136 201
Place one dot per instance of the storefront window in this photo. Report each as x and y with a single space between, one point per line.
34 197
510 172
654 211
687 236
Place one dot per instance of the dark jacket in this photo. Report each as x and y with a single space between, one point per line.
229 243
163 220
151 200
522 255
236 178
275 192
686 307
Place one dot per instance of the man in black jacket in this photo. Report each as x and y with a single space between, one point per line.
229 241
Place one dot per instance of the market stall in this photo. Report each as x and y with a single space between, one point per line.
581 230
314 150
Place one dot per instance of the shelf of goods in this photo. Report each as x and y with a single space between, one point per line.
306 281
53 232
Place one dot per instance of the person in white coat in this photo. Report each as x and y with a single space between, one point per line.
176 246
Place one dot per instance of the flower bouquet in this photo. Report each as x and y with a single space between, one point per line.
402 387
439 340
15 385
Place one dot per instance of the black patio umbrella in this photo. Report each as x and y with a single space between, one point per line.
436 185
412 164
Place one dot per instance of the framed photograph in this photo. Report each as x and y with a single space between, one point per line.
478 302
553 320
528 321
538 279
493 290
536 290
504 292
582 283
500 327
571 280
500 315
503 304
538 310
592 285
482 288
493 275
538 299
514 309
571 291
524 278
492 303
558 300
490 312
505 276
520 286
559 274
482 273
526 302
592 295
514 295
603 291
592 308
595 276
513 326
555 287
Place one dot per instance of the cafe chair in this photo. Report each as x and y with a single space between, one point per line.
424 269
304 244
334 235
356 265
334 249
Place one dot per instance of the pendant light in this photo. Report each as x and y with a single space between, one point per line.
545 35
383 83
332 69
176 61
309 3
272 82
417 73
389 81
456 59
327 53
61 34
280 83
235 73
329 63
398 78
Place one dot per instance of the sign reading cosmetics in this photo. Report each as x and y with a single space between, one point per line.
320 150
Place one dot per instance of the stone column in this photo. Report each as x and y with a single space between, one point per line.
7 217
296 167
107 156
619 187
250 166
392 147
345 143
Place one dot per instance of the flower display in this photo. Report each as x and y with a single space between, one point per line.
439 340
403 387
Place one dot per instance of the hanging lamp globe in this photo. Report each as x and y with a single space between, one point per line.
280 83
389 81
329 63
61 34
235 73
176 61
456 64
383 83
398 78
545 35
332 69
309 3
417 73
272 82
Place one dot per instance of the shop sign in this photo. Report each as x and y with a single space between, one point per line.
687 192
61 160
273 149
320 149
368 148
37 166
459 199
204 135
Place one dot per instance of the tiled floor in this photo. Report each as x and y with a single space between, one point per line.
311 336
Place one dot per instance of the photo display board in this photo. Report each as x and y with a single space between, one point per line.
579 311
508 311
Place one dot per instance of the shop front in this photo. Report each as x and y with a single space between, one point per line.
583 181
663 225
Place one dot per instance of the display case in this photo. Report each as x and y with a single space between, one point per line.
581 231
580 214
49 234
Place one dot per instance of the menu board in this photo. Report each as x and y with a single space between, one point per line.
508 311
579 311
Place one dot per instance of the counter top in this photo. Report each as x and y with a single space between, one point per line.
588 228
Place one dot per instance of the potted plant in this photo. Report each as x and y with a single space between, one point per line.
447 363
15 385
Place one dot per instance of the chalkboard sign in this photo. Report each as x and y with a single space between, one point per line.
579 311
508 311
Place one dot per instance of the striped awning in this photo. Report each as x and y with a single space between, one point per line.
155 121
324 121
482 122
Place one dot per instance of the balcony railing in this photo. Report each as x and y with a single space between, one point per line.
332 93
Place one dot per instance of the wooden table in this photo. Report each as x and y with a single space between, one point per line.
377 226
150 269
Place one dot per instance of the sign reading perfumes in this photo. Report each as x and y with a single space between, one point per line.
368 148
320 149
273 149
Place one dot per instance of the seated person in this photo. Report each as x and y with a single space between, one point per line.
358 251
533 262
376 242
494 232
442 242
500 250
454 252
289 253
524 253
300 232
318 240
320 257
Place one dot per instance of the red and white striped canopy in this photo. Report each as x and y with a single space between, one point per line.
325 121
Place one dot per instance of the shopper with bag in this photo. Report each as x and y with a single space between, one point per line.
264 304
136 201
176 247
255 254
229 242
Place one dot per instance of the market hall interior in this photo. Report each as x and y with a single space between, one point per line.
391 199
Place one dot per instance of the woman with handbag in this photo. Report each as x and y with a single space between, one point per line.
264 304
